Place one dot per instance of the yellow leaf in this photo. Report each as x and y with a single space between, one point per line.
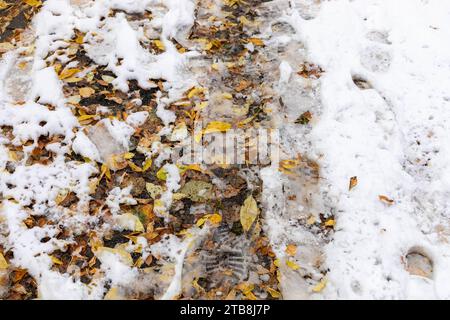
292 265
159 45
79 39
13 156
256 41
195 92
3 262
250 296
55 260
128 155
276 263
249 213
3 5
217 126
311 220
162 174
291 249
290 163
330 223
106 172
147 164
274 293
86 92
113 294
34 3
215 66
134 167
22 65
245 287
67 73
214 218
86 117
320 286
353 183
227 96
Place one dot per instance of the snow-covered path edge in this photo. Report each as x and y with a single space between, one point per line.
391 136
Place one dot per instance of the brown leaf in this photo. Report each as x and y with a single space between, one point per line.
385 199
353 183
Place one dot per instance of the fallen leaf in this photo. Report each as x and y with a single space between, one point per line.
134 167
147 164
195 92
274 293
291 249
153 190
386 200
217 126
162 174
304 118
3 262
214 218
320 286
67 73
3 5
34 3
86 92
249 212
311 220
5 46
112 294
159 44
55 260
79 39
244 84
353 183
330 223
197 191
292 265
256 41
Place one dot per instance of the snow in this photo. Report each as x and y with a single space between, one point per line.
391 132
85 147
137 119
47 87
384 136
